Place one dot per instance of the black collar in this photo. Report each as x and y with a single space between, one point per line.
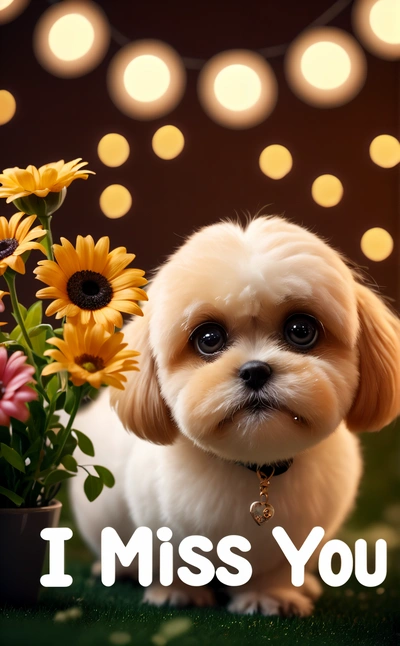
275 469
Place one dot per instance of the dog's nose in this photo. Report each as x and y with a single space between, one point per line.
255 374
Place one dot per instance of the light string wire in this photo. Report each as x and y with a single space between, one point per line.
267 52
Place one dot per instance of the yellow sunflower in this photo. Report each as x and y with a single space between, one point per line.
2 306
20 182
16 237
91 284
91 355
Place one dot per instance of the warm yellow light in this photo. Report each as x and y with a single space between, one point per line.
113 149
71 37
275 161
237 87
146 79
377 24
10 9
327 190
115 201
384 19
385 151
7 107
168 142
377 244
325 65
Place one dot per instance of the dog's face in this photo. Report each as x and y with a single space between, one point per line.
256 343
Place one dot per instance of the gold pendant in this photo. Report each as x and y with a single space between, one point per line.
261 510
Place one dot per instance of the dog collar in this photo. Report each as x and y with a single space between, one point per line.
269 470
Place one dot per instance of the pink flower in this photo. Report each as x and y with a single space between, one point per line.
15 374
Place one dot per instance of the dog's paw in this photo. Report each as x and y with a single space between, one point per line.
312 587
283 602
178 596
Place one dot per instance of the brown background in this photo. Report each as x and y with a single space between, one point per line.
217 175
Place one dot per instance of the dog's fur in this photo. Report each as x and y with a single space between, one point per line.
249 279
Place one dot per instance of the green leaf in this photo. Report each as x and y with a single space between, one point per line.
16 334
84 442
34 315
39 329
105 475
12 457
57 476
17 500
93 486
70 463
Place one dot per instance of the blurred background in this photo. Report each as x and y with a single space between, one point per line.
192 112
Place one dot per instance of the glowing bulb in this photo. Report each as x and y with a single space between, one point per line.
113 149
327 190
377 244
385 151
146 78
237 87
7 107
325 65
71 37
275 161
168 142
5 3
384 19
10 9
115 201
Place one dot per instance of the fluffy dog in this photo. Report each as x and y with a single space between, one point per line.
258 345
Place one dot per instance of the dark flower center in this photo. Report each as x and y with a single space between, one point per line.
2 390
90 362
89 290
7 247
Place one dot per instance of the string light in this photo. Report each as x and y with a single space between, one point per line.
384 151
168 142
11 9
325 67
377 244
115 201
8 106
113 149
146 79
276 161
71 38
327 190
377 24
237 89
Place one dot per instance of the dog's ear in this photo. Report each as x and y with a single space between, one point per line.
377 401
140 406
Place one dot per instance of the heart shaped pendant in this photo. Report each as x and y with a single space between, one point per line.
261 511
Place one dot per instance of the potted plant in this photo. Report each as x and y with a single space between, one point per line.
45 370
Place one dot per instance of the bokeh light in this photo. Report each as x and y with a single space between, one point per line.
276 161
7 106
168 142
377 24
146 79
71 38
11 9
325 67
237 89
115 201
113 149
377 244
327 190
384 151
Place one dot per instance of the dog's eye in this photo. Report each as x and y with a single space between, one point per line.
209 338
301 331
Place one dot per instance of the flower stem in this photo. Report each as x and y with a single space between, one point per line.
10 280
48 240
78 396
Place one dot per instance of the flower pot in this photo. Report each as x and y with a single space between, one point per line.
22 551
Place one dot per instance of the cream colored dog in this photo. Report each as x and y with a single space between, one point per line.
258 345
